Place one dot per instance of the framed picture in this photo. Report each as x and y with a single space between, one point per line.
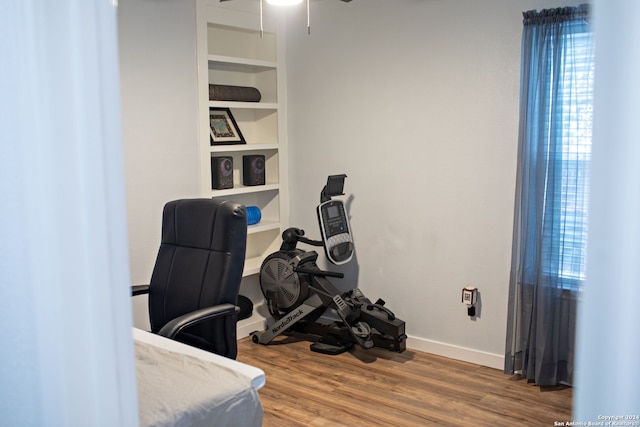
223 127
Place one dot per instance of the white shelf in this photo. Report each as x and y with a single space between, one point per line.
243 147
244 190
252 266
263 226
244 105
231 63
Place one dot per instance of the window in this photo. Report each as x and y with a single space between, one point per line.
575 96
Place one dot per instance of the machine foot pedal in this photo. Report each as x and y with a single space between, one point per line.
331 349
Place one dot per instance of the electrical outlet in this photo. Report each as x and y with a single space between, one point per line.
469 298
469 295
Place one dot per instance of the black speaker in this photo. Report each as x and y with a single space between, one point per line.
221 172
253 169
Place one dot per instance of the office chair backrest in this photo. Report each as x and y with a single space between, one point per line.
199 265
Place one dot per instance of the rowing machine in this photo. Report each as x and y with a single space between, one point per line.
297 293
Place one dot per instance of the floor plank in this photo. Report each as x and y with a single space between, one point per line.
380 388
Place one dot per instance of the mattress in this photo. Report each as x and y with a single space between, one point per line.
179 385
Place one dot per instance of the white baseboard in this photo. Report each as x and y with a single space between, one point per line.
478 357
245 327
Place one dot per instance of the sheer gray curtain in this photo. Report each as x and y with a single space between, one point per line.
552 189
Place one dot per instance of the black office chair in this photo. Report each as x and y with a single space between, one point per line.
194 287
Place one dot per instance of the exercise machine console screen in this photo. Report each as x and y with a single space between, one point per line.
334 223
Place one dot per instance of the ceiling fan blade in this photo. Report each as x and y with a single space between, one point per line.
346 1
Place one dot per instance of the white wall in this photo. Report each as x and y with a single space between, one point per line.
417 102
159 121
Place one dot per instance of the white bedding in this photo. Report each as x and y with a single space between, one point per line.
183 386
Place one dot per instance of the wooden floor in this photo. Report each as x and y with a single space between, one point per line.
380 388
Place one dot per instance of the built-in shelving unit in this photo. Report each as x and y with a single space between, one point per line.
231 51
